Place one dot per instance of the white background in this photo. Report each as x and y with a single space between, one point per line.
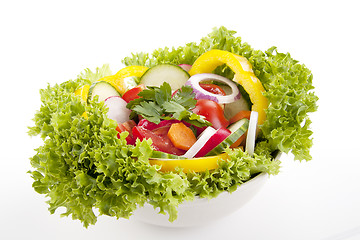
49 42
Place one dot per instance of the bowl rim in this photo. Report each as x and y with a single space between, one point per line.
225 193
259 176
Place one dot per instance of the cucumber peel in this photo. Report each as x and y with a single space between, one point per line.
172 74
237 130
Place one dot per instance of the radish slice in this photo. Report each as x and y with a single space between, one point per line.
201 93
220 135
251 133
117 109
202 139
186 67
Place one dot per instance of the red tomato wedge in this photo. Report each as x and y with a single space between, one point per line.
161 141
127 126
215 89
212 111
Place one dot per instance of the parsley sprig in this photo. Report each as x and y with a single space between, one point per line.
156 104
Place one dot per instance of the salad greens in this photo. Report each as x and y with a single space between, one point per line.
83 166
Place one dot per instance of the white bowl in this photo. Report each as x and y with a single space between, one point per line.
203 211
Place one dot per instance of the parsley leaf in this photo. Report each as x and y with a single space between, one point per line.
185 97
157 103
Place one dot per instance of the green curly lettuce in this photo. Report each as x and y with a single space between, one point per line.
83 166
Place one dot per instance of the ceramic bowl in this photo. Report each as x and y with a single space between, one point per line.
203 211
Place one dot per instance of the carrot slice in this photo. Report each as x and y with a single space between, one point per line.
181 136
240 115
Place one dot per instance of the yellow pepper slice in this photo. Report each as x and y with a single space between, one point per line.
118 80
244 75
83 92
195 164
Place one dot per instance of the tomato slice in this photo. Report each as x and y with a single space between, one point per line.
127 126
132 94
212 111
161 141
215 89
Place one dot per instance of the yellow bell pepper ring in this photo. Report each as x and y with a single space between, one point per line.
118 80
83 92
195 164
244 75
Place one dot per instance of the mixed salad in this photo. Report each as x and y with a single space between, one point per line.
179 123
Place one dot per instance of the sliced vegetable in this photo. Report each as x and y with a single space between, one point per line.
239 141
83 92
251 134
181 136
231 109
172 74
212 111
190 165
240 115
125 79
117 109
200 142
220 135
244 75
164 156
102 89
133 93
127 126
215 89
186 67
200 93
237 130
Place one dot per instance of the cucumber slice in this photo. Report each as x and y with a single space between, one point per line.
172 74
237 130
239 124
231 109
165 156
131 82
103 90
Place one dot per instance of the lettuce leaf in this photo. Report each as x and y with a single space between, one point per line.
83 166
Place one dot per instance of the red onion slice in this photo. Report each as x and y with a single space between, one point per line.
201 93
